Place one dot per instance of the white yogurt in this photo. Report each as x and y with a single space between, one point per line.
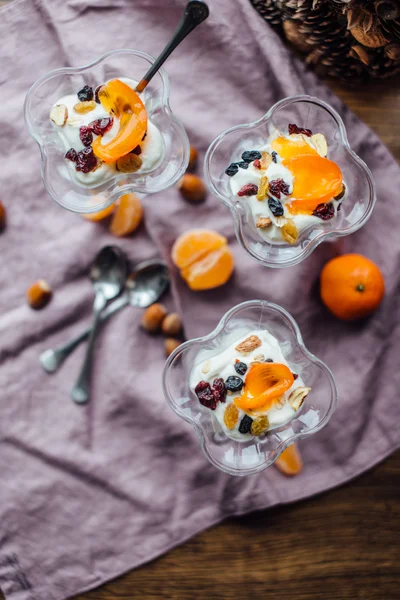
152 146
223 365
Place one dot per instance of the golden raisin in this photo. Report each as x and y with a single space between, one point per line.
231 416
129 163
290 232
262 188
84 107
259 425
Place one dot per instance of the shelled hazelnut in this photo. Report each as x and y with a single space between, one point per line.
152 317
171 325
39 294
170 345
192 188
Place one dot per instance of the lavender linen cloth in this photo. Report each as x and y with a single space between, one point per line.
87 492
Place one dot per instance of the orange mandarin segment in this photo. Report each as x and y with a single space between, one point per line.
316 180
289 147
100 215
213 270
263 384
290 462
122 101
127 216
194 244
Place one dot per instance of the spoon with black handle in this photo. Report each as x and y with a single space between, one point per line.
195 13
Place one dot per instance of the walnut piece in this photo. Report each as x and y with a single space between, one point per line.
249 344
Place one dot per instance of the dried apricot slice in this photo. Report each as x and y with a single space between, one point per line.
290 462
264 383
288 148
127 216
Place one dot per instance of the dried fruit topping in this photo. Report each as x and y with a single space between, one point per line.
2 216
259 425
269 360
294 129
276 207
84 107
241 368
231 416
219 389
205 395
249 344
274 156
59 114
192 188
250 155
72 155
295 376
153 317
39 294
341 193
290 232
96 94
86 135
263 188
263 222
298 396
245 424
233 383
278 187
243 164
264 383
266 160
320 143
248 190
86 160
324 211
232 169
257 164
130 163
101 126
137 150
85 94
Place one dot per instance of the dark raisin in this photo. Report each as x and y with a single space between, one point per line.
251 155
268 360
72 155
248 190
257 164
241 368
219 389
294 129
245 424
276 207
86 160
205 395
234 384
96 93
85 94
232 169
100 126
277 187
137 150
86 135
274 156
324 211
243 164
341 193
295 376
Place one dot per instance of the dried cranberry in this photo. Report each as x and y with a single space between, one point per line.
295 376
276 207
72 155
219 389
324 211
85 94
248 190
250 155
274 156
241 368
294 129
86 160
245 424
96 93
100 126
257 164
137 150
205 395
86 135
277 187
232 169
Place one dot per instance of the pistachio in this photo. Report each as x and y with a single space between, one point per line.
298 396
59 114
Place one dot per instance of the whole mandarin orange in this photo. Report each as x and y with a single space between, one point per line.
351 286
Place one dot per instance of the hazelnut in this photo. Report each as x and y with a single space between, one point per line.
192 188
39 294
171 325
192 159
153 317
170 345
2 216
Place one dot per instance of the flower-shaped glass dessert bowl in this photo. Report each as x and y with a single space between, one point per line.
167 145
227 449
317 117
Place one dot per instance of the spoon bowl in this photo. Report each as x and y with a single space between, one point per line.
147 283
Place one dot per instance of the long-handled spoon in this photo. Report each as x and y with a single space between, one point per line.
108 275
144 286
195 13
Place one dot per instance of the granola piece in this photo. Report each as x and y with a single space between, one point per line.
263 222
249 344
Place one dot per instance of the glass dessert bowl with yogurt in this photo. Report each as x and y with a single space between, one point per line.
99 138
250 388
290 180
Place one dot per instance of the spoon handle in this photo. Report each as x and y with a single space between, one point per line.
53 358
195 13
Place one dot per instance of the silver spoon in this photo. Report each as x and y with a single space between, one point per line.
108 275
144 286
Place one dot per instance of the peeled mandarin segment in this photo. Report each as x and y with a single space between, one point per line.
210 271
123 102
288 148
264 383
194 245
127 216
100 215
290 462
316 180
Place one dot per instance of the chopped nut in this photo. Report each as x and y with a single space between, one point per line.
171 325
263 222
39 294
84 107
262 188
266 160
192 188
153 317
59 114
259 358
279 403
298 396
130 163
249 344
74 121
2 216
192 159
320 143
170 345
290 232
206 367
